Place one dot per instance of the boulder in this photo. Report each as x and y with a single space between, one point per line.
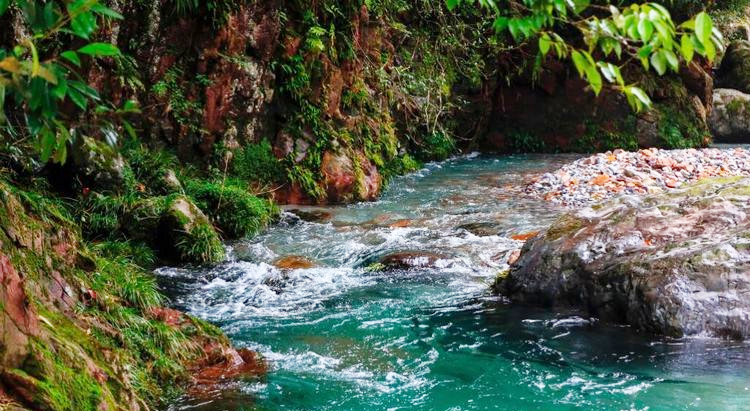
99 166
730 119
734 71
345 181
675 264
176 227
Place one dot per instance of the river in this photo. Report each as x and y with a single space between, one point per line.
345 336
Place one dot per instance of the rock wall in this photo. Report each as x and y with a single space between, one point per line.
345 98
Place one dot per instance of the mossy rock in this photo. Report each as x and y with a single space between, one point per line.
177 228
100 166
735 68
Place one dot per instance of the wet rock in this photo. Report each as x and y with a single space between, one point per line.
343 181
407 260
735 67
482 229
294 262
674 264
730 118
313 216
170 182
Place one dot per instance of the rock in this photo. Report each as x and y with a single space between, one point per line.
313 216
170 182
176 227
734 71
344 182
98 165
407 260
482 229
674 264
730 119
294 262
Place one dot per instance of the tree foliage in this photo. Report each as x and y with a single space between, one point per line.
606 38
41 88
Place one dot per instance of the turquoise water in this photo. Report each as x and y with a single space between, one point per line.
341 337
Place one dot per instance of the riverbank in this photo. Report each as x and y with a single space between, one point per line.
649 171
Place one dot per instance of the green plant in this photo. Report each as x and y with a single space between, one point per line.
184 110
257 163
39 79
232 208
643 33
200 245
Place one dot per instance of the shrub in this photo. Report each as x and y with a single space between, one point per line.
233 209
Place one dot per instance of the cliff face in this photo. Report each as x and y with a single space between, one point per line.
334 98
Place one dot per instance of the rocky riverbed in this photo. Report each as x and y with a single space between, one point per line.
649 171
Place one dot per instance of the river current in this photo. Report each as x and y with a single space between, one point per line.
346 335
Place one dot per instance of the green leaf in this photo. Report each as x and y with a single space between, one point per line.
659 61
645 30
100 50
703 27
594 79
501 23
106 11
4 6
72 57
641 95
686 48
452 4
579 61
672 60
77 98
544 44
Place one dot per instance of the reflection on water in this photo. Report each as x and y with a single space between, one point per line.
343 337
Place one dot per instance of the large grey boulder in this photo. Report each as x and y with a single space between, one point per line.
730 118
675 264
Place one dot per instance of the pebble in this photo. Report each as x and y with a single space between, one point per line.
650 171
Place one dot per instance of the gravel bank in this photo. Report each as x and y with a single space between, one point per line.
651 171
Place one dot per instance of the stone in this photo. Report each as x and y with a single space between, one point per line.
674 264
734 71
99 165
294 262
407 260
344 182
730 119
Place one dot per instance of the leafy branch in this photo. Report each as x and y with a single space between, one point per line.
612 38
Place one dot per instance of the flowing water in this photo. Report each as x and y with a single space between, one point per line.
345 336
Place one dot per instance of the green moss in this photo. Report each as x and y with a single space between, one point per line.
680 128
598 139
436 146
232 208
565 225
257 163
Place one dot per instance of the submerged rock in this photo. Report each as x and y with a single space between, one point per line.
294 262
676 264
406 260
